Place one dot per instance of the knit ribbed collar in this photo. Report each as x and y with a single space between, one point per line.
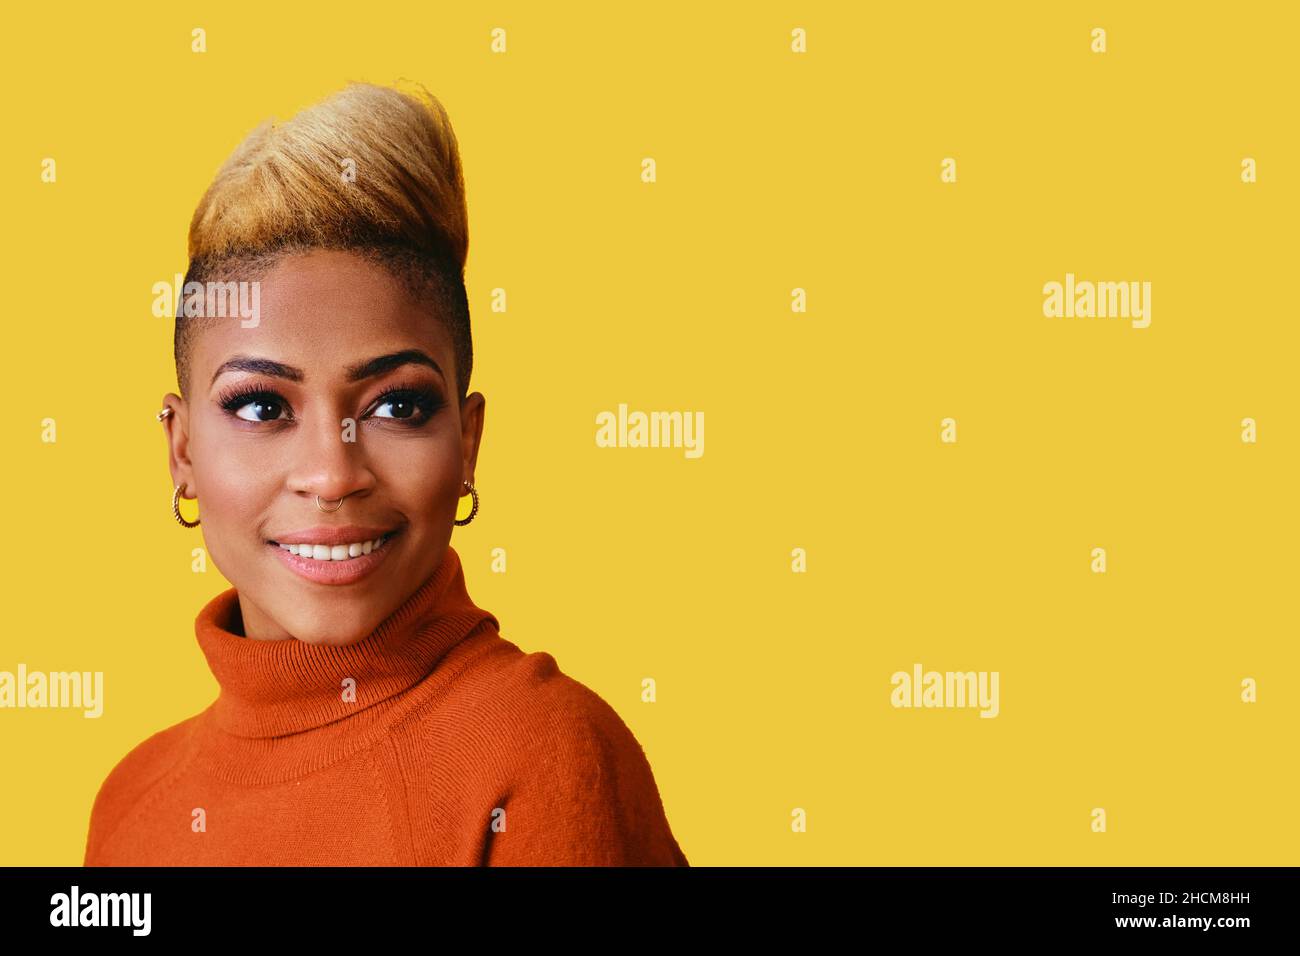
273 688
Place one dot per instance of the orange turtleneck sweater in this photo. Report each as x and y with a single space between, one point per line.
459 749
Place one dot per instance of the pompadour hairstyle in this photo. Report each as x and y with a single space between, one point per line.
286 189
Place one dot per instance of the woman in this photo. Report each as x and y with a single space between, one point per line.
369 712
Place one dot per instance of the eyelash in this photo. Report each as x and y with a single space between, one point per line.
426 400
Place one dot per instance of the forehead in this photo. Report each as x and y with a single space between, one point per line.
321 312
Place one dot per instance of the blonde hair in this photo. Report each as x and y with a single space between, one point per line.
372 170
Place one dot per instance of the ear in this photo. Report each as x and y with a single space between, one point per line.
177 429
472 411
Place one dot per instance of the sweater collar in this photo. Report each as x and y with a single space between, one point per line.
272 688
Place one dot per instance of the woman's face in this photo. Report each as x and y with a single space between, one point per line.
256 462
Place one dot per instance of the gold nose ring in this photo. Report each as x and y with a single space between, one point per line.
330 511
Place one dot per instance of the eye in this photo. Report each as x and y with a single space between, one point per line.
263 410
410 406
402 407
254 405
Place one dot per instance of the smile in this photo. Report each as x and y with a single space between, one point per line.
334 563
336 552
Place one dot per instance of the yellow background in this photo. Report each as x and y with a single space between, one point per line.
775 171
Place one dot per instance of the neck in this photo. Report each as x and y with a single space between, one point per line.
270 688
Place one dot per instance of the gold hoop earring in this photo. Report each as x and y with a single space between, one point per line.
472 511
176 509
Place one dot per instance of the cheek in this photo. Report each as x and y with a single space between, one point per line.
234 482
240 480
421 478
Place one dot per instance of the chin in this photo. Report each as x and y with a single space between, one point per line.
332 623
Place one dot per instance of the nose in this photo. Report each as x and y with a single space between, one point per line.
328 462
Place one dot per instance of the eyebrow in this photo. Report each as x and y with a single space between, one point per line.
355 373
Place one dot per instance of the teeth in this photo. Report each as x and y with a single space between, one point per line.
335 552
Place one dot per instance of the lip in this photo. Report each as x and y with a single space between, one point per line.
334 572
331 534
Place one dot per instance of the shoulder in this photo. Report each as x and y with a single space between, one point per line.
568 774
531 708
132 778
